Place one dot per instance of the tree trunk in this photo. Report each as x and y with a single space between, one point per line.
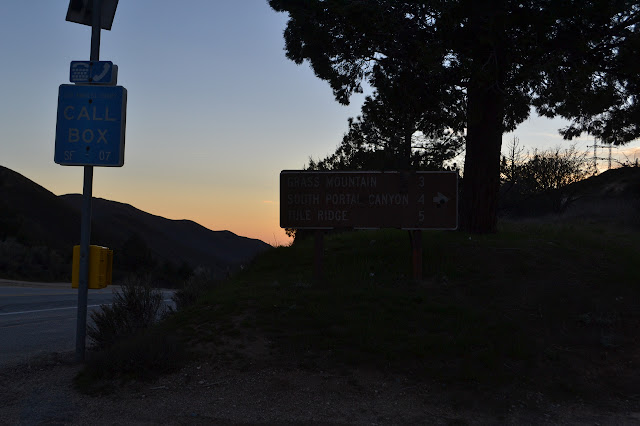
406 152
482 161
485 113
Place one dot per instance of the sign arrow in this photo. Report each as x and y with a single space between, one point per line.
440 199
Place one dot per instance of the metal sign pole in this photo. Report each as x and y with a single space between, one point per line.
416 253
87 194
318 258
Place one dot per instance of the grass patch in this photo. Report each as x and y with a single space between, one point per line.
551 306
143 356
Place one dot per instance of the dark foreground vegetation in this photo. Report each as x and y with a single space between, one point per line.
538 306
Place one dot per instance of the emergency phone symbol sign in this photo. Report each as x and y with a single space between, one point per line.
91 125
95 72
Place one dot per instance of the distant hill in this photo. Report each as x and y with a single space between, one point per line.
33 214
182 241
612 196
38 229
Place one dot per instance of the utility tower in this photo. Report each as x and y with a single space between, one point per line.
609 158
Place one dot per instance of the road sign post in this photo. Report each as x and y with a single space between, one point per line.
90 130
414 201
85 226
403 200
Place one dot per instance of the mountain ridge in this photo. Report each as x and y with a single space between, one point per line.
163 231
31 215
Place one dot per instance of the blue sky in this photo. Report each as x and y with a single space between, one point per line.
215 110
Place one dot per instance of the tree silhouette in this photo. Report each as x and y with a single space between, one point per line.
378 140
479 66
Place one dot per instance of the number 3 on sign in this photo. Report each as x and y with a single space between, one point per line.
104 155
421 181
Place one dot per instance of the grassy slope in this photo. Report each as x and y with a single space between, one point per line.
551 306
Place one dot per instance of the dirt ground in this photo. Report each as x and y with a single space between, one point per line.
41 392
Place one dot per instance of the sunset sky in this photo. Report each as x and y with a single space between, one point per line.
215 110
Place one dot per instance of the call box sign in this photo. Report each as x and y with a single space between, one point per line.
405 200
90 128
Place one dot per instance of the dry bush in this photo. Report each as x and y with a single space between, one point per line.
135 307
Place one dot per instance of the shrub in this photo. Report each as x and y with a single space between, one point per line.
539 182
128 342
543 171
29 262
135 307
194 287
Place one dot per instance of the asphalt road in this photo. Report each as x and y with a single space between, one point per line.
40 318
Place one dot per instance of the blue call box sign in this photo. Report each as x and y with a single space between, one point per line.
95 72
90 128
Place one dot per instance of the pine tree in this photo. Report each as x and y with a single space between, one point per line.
479 67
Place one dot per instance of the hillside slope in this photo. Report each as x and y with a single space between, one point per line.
34 215
181 241
612 196
31 216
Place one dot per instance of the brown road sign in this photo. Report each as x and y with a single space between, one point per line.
405 200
